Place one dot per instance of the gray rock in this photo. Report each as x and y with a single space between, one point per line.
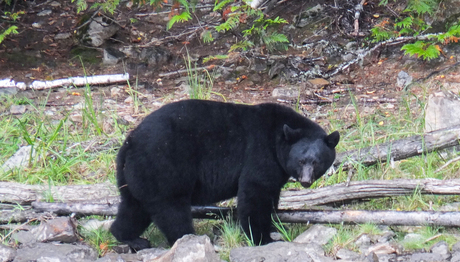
363 243
112 56
317 234
286 92
8 91
372 257
442 111
426 257
19 159
62 36
191 248
455 257
275 70
59 229
347 254
386 236
155 56
56 253
150 254
456 247
99 30
55 4
306 17
112 257
24 237
441 248
279 251
7 254
44 13
403 80
18 109
386 257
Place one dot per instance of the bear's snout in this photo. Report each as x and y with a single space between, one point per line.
306 178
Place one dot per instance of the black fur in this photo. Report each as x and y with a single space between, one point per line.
200 152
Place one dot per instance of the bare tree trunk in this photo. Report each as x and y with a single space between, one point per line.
400 149
406 218
107 194
340 193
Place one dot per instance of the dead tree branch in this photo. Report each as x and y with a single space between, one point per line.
71 81
400 149
406 218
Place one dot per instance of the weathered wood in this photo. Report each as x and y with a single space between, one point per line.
107 194
86 209
365 190
71 81
406 218
400 149
21 194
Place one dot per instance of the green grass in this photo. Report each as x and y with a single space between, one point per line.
68 151
63 150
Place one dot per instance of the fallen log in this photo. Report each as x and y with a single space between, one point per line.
365 190
393 218
400 149
71 81
11 192
107 194
407 218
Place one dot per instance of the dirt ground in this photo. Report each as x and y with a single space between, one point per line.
34 54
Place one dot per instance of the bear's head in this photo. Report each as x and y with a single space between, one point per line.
311 153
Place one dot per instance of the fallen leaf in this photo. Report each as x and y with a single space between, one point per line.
319 81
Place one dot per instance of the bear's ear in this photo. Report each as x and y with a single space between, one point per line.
289 133
333 139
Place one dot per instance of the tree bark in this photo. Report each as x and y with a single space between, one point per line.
107 194
407 218
21 194
341 193
400 149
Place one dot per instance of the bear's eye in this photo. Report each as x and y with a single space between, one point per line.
302 161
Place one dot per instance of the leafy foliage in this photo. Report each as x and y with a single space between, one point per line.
413 25
424 50
183 17
9 31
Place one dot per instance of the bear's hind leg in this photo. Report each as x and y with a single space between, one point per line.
130 223
173 217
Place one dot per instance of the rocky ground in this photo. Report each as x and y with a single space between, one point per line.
50 47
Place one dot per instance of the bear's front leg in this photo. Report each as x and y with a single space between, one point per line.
255 207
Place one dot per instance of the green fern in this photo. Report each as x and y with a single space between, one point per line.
11 30
206 35
231 23
219 5
184 17
421 6
426 51
243 45
405 23
81 5
380 34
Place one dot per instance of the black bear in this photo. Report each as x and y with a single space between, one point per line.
197 152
